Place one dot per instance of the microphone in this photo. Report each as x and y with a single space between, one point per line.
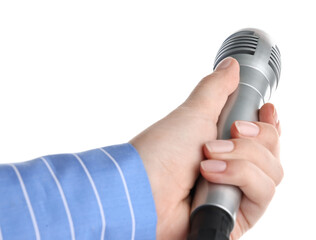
215 206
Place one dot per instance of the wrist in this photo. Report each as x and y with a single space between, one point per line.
160 185
152 168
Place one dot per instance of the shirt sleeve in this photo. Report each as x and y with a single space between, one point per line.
98 194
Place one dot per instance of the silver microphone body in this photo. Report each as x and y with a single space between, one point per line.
260 66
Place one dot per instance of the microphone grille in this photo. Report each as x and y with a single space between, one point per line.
242 42
275 61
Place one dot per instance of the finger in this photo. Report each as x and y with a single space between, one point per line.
278 127
256 153
210 95
253 182
263 133
268 114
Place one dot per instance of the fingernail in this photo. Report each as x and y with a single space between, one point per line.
220 146
213 166
275 116
247 128
224 63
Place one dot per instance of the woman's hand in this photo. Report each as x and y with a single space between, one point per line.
250 160
172 151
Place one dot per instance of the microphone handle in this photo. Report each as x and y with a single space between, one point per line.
215 206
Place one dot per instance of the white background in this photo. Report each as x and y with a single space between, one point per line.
76 75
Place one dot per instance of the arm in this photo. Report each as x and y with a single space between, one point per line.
78 196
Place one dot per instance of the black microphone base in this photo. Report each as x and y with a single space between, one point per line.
210 223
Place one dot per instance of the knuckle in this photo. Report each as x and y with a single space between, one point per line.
246 148
281 175
269 137
271 133
245 172
270 191
207 79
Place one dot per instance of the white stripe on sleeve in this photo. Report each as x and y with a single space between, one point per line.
126 191
71 225
1 238
95 193
28 203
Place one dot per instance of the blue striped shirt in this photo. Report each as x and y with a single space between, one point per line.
98 194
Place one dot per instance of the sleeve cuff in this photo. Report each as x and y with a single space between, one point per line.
137 186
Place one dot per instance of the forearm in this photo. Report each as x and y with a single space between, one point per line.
86 195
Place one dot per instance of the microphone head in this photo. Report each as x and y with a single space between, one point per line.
253 48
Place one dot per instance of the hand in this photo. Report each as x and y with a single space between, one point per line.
171 150
250 160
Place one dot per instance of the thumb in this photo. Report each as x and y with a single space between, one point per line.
210 95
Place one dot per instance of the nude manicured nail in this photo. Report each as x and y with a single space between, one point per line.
275 116
224 63
213 166
247 128
220 146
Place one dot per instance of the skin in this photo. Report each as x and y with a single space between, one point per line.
173 148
